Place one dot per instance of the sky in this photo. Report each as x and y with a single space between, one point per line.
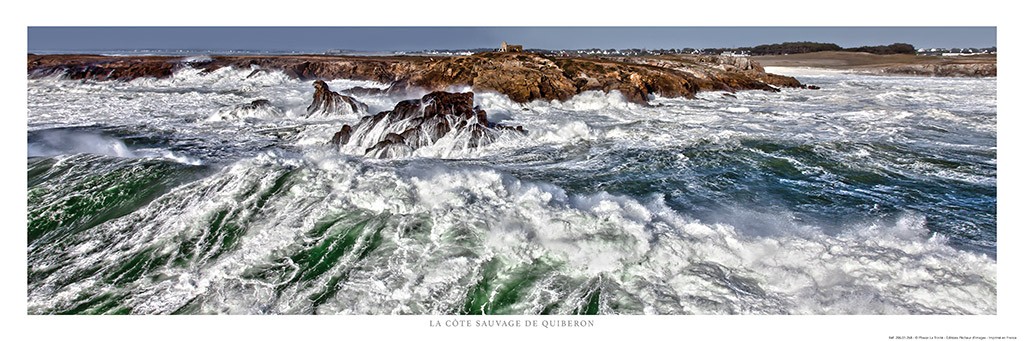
318 39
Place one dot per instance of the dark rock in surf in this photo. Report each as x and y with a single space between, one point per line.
260 108
416 123
258 104
361 91
328 103
342 136
255 73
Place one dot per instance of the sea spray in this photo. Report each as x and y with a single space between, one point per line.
852 199
236 244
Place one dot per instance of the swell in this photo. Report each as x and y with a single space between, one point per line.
337 235
67 194
839 201
768 185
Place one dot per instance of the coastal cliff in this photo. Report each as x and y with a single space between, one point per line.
523 77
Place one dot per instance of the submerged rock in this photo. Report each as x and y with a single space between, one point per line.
260 103
329 103
415 123
260 108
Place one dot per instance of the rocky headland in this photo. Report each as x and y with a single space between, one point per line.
523 77
440 118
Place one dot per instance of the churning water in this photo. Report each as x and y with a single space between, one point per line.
874 195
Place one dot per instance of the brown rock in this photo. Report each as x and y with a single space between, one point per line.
327 102
342 136
522 77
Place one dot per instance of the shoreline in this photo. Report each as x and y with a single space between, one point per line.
901 65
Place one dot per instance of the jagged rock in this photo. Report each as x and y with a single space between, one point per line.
416 123
328 103
259 103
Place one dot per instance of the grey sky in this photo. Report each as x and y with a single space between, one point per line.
315 39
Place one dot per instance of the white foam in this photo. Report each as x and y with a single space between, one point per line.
645 257
65 142
662 261
244 111
69 142
197 59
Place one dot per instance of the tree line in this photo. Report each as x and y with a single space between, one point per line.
807 47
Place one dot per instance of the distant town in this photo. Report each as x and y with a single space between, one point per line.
760 50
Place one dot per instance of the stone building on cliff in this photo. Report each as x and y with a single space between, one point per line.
505 47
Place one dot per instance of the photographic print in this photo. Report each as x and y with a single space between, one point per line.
511 170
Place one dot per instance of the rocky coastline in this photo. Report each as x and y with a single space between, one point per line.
441 116
523 77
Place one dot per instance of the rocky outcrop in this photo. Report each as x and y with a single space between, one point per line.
437 117
523 77
328 103
733 62
721 73
102 67
258 104
520 76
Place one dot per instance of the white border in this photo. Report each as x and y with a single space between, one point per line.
515 13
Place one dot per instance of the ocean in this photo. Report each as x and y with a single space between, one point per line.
873 195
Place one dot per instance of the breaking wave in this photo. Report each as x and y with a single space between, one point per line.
212 192
335 235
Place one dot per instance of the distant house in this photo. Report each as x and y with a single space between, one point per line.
505 47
